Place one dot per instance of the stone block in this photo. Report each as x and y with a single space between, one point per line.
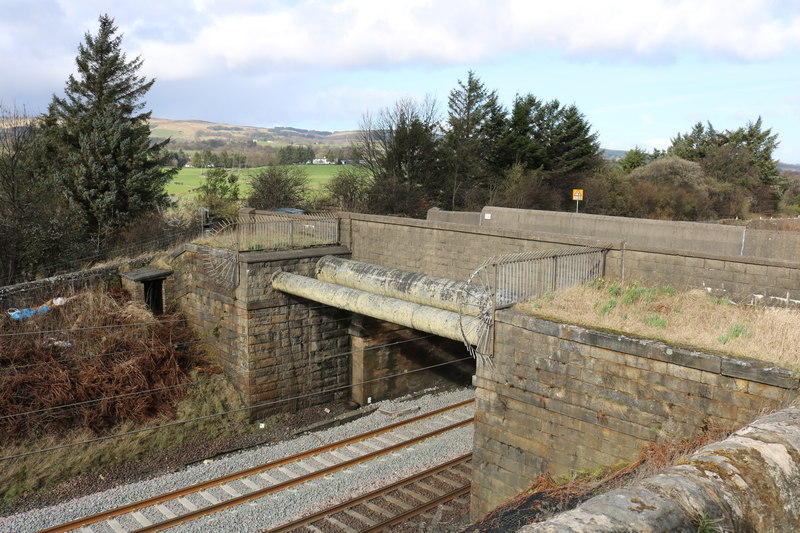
760 372
768 392
687 358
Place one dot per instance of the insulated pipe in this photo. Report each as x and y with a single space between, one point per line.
430 291
424 318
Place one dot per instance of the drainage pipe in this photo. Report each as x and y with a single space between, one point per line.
422 317
413 287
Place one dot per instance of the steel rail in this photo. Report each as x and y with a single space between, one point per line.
411 513
211 509
197 487
461 459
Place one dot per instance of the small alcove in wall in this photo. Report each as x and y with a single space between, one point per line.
147 285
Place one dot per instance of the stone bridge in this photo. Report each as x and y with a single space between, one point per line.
557 397
306 327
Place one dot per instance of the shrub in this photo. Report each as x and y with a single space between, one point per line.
349 188
275 187
219 193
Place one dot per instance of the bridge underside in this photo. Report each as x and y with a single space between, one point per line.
392 311
424 303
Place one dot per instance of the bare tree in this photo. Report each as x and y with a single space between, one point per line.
399 149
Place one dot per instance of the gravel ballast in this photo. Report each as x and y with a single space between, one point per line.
287 505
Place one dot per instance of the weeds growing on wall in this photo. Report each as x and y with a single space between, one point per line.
692 318
548 496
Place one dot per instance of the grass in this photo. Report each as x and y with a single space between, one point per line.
183 186
704 524
229 241
691 318
211 394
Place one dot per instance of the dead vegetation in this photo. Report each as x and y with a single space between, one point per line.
101 366
92 363
693 318
548 496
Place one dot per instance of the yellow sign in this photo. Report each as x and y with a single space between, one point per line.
577 194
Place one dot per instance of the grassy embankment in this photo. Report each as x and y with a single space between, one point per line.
692 318
105 368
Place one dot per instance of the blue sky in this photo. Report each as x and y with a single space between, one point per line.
640 70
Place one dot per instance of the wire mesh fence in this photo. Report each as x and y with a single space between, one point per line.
503 281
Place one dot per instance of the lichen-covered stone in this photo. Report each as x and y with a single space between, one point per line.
747 482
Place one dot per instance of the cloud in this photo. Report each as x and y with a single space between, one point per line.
241 37
194 38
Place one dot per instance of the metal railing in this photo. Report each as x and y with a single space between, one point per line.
527 275
275 231
503 281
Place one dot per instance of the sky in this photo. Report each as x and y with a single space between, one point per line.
641 71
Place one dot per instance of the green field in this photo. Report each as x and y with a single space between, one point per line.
183 185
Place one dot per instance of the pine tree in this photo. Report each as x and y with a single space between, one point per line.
99 137
467 142
552 141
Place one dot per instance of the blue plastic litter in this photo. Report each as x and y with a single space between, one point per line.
20 314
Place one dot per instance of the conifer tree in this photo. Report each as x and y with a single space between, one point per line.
471 114
98 137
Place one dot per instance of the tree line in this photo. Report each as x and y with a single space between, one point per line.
534 153
85 177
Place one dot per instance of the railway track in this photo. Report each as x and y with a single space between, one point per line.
216 495
394 504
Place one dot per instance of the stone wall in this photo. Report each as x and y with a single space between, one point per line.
454 250
703 238
744 279
388 359
297 348
560 398
272 346
35 293
440 249
472 218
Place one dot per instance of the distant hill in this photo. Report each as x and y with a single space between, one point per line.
613 155
199 130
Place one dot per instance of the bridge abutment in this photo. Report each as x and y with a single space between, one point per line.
279 351
561 398
283 352
390 360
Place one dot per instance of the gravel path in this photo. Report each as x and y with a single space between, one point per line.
287 505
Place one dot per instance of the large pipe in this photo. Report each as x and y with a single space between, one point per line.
426 290
424 318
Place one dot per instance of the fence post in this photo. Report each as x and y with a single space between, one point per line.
555 274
